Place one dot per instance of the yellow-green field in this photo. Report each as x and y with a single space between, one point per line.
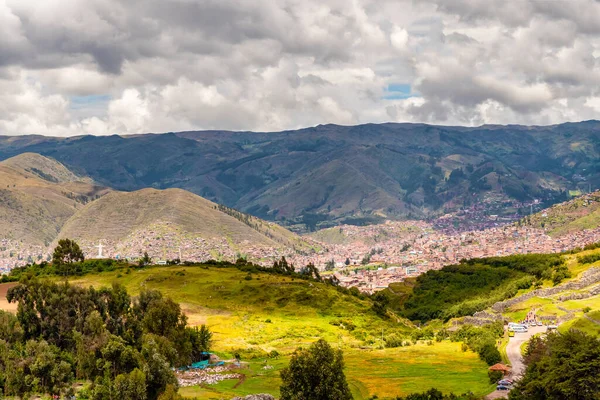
584 324
267 312
385 373
271 312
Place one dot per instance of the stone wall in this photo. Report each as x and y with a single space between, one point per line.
588 278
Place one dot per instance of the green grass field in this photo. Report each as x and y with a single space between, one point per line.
519 311
267 312
584 324
385 373
271 312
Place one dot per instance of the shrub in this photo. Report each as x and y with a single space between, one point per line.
495 376
393 340
490 354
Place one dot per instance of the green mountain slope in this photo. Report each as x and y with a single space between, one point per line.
334 173
580 213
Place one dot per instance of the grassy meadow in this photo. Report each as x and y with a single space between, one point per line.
385 373
261 314
272 312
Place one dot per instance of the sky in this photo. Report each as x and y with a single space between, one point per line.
103 67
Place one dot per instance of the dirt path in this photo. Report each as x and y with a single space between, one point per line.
4 304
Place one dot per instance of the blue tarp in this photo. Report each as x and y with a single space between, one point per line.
200 364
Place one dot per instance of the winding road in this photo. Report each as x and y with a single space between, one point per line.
513 352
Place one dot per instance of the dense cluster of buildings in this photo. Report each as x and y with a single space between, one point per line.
14 253
433 250
369 257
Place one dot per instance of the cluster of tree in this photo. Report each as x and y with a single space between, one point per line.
592 246
281 267
481 340
588 259
126 347
560 366
473 285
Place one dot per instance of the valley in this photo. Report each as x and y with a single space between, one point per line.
410 301
299 200
253 314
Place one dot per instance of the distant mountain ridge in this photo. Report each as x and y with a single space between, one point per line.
337 173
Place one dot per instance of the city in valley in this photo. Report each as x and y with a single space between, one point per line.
368 257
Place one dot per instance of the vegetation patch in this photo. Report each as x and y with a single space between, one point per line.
473 285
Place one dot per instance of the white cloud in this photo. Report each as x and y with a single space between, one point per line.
399 38
166 65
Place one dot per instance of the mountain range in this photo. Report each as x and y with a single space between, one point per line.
351 174
42 201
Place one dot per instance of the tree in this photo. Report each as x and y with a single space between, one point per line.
170 393
145 260
490 354
315 374
67 252
561 366
330 265
130 386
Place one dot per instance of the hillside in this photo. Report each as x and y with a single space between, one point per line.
160 221
316 176
38 195
571 216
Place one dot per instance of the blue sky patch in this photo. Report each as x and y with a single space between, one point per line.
78 102
396 91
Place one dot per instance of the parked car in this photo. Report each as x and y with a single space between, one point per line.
505 382
502 387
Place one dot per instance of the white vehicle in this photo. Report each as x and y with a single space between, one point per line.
518 328
515 327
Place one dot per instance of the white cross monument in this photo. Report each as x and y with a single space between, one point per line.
100 247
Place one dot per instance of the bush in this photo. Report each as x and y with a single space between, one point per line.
495 376
490 354
274 354
393 340
590 258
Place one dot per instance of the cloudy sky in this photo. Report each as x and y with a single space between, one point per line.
69 67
